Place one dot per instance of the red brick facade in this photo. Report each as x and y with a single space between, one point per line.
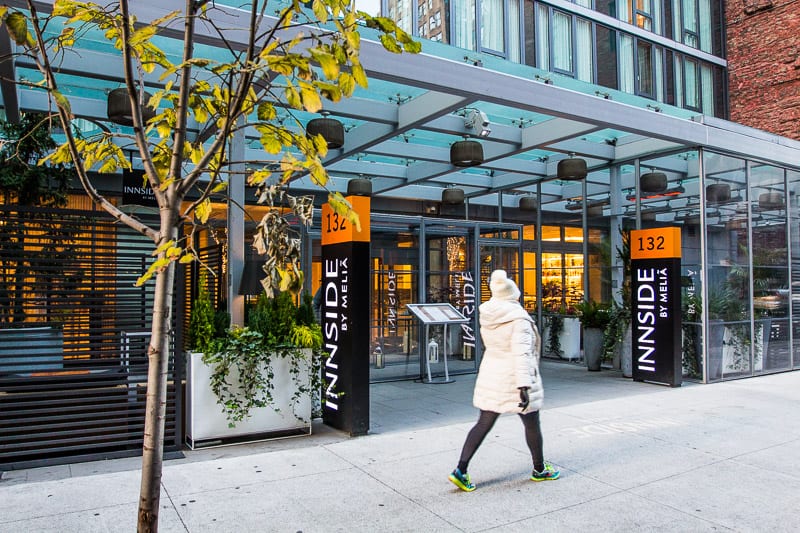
764 64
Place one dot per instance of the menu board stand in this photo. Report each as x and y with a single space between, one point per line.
433 315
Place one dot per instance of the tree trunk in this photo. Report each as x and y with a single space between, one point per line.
155 410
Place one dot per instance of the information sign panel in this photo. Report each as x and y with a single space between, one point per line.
345 318
438 313
656 305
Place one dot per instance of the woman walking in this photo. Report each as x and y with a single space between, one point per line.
508 379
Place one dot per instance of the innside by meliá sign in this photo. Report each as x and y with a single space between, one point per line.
335 300
468 309
651 300
391 287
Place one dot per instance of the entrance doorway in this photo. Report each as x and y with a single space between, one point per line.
421 260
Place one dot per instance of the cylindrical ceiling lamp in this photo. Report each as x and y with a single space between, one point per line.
118 107
717 193
594 211
466 153
359 187
653 182
648 216
770 200
331 130
572 168
452 196
528 203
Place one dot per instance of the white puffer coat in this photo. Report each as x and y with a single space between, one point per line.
510 359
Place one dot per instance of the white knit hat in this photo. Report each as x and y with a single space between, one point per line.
503 288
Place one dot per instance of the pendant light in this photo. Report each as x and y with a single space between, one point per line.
118 107
572 168
466 153
770 200
653 182
452 196
359 187
718 193
331 130
528 203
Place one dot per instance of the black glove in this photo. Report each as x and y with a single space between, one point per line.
523 397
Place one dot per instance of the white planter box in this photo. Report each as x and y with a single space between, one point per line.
207 425
569 338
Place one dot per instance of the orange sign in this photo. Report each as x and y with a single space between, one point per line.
336 228
656 243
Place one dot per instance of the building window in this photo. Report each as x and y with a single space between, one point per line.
492 18
464 24
644 69
692 24
640 68
643 14
542 37
562 42
606 46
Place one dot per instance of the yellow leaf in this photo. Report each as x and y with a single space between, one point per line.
330 67
203 211
173 252
353 39
347 84
163 247
293 97
359 75
311 99
390 43
320 11
163 128
17 25
266 111
186 258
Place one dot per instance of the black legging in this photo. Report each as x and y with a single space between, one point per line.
486 420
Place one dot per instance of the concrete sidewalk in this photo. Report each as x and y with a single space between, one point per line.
633 456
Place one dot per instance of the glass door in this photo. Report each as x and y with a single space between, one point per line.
451 278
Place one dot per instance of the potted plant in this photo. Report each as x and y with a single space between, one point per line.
594 318
562 332
260 380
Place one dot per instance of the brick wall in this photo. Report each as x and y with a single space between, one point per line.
764 64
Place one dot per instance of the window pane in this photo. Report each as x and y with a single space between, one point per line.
513 31
707 87
606 57
626 63
542 37
645 67
400 12
562 41
584 46
530 34
691 94
492 16
464 24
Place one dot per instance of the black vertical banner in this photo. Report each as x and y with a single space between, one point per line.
345 318
656 305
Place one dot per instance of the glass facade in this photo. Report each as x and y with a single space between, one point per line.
589 48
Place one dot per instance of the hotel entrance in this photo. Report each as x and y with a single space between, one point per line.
425 260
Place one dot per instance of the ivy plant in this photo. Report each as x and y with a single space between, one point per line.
242 362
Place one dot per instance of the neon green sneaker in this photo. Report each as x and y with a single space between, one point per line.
548 474
461 480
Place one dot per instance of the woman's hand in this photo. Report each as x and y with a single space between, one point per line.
523 397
